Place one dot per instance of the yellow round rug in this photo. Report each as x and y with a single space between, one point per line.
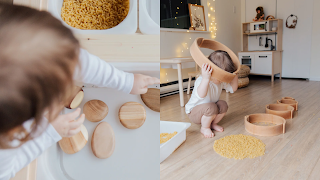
239 146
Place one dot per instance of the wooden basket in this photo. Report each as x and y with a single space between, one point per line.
260 130
283 110
243 82
290 102
244 71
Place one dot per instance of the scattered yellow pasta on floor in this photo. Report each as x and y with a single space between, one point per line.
94 14
164 137
239 146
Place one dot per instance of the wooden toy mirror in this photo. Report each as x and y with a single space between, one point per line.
200 58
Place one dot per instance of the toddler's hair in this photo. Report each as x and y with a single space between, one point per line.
222 60
38 56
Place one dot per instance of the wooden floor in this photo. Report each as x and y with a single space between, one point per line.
293 155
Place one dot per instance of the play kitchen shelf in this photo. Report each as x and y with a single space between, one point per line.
266 60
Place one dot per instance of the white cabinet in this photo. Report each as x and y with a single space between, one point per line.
262 63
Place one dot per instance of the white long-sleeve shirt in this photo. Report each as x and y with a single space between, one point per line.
93 71
213 94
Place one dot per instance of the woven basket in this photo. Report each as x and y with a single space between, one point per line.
244 71
243 82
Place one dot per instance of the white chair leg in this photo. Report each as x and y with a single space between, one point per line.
189 84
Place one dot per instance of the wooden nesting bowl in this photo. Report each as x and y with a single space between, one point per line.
95 110
288 98
283 110
254 124
200 58
71 145
290 102
132 115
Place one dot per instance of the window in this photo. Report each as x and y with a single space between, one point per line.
175 13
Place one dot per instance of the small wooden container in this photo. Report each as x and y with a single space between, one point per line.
290 102
283 110
254 124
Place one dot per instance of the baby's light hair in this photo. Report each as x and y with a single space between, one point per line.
222 60
38 57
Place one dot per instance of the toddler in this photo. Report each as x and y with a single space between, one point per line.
40 61
204 106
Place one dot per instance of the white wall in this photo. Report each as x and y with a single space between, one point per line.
315 45
228 27
296 42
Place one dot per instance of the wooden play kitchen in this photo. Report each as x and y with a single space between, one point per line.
265 60
137 45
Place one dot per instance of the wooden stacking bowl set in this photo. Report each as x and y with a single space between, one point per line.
272 123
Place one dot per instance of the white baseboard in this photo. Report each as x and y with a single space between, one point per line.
314 79
174 87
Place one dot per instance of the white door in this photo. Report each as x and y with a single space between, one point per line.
263 64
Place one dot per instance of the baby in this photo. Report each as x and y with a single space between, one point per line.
204 106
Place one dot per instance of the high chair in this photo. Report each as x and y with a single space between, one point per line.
192 74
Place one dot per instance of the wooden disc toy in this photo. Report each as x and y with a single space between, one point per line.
71 145
103 141
290 102
152 99
95 110
265 124
132 115
200 58
283 110
76 98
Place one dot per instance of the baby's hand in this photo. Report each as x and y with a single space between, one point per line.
206 71
67 125
141 83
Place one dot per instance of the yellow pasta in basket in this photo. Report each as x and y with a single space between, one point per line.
94 14
239 146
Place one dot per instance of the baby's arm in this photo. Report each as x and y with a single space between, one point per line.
202 89
13 160
234 83
97 72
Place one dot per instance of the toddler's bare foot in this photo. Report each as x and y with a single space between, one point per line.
217 127
206 132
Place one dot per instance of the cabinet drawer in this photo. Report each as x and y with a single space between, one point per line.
263 64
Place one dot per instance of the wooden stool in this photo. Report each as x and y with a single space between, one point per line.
192 74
